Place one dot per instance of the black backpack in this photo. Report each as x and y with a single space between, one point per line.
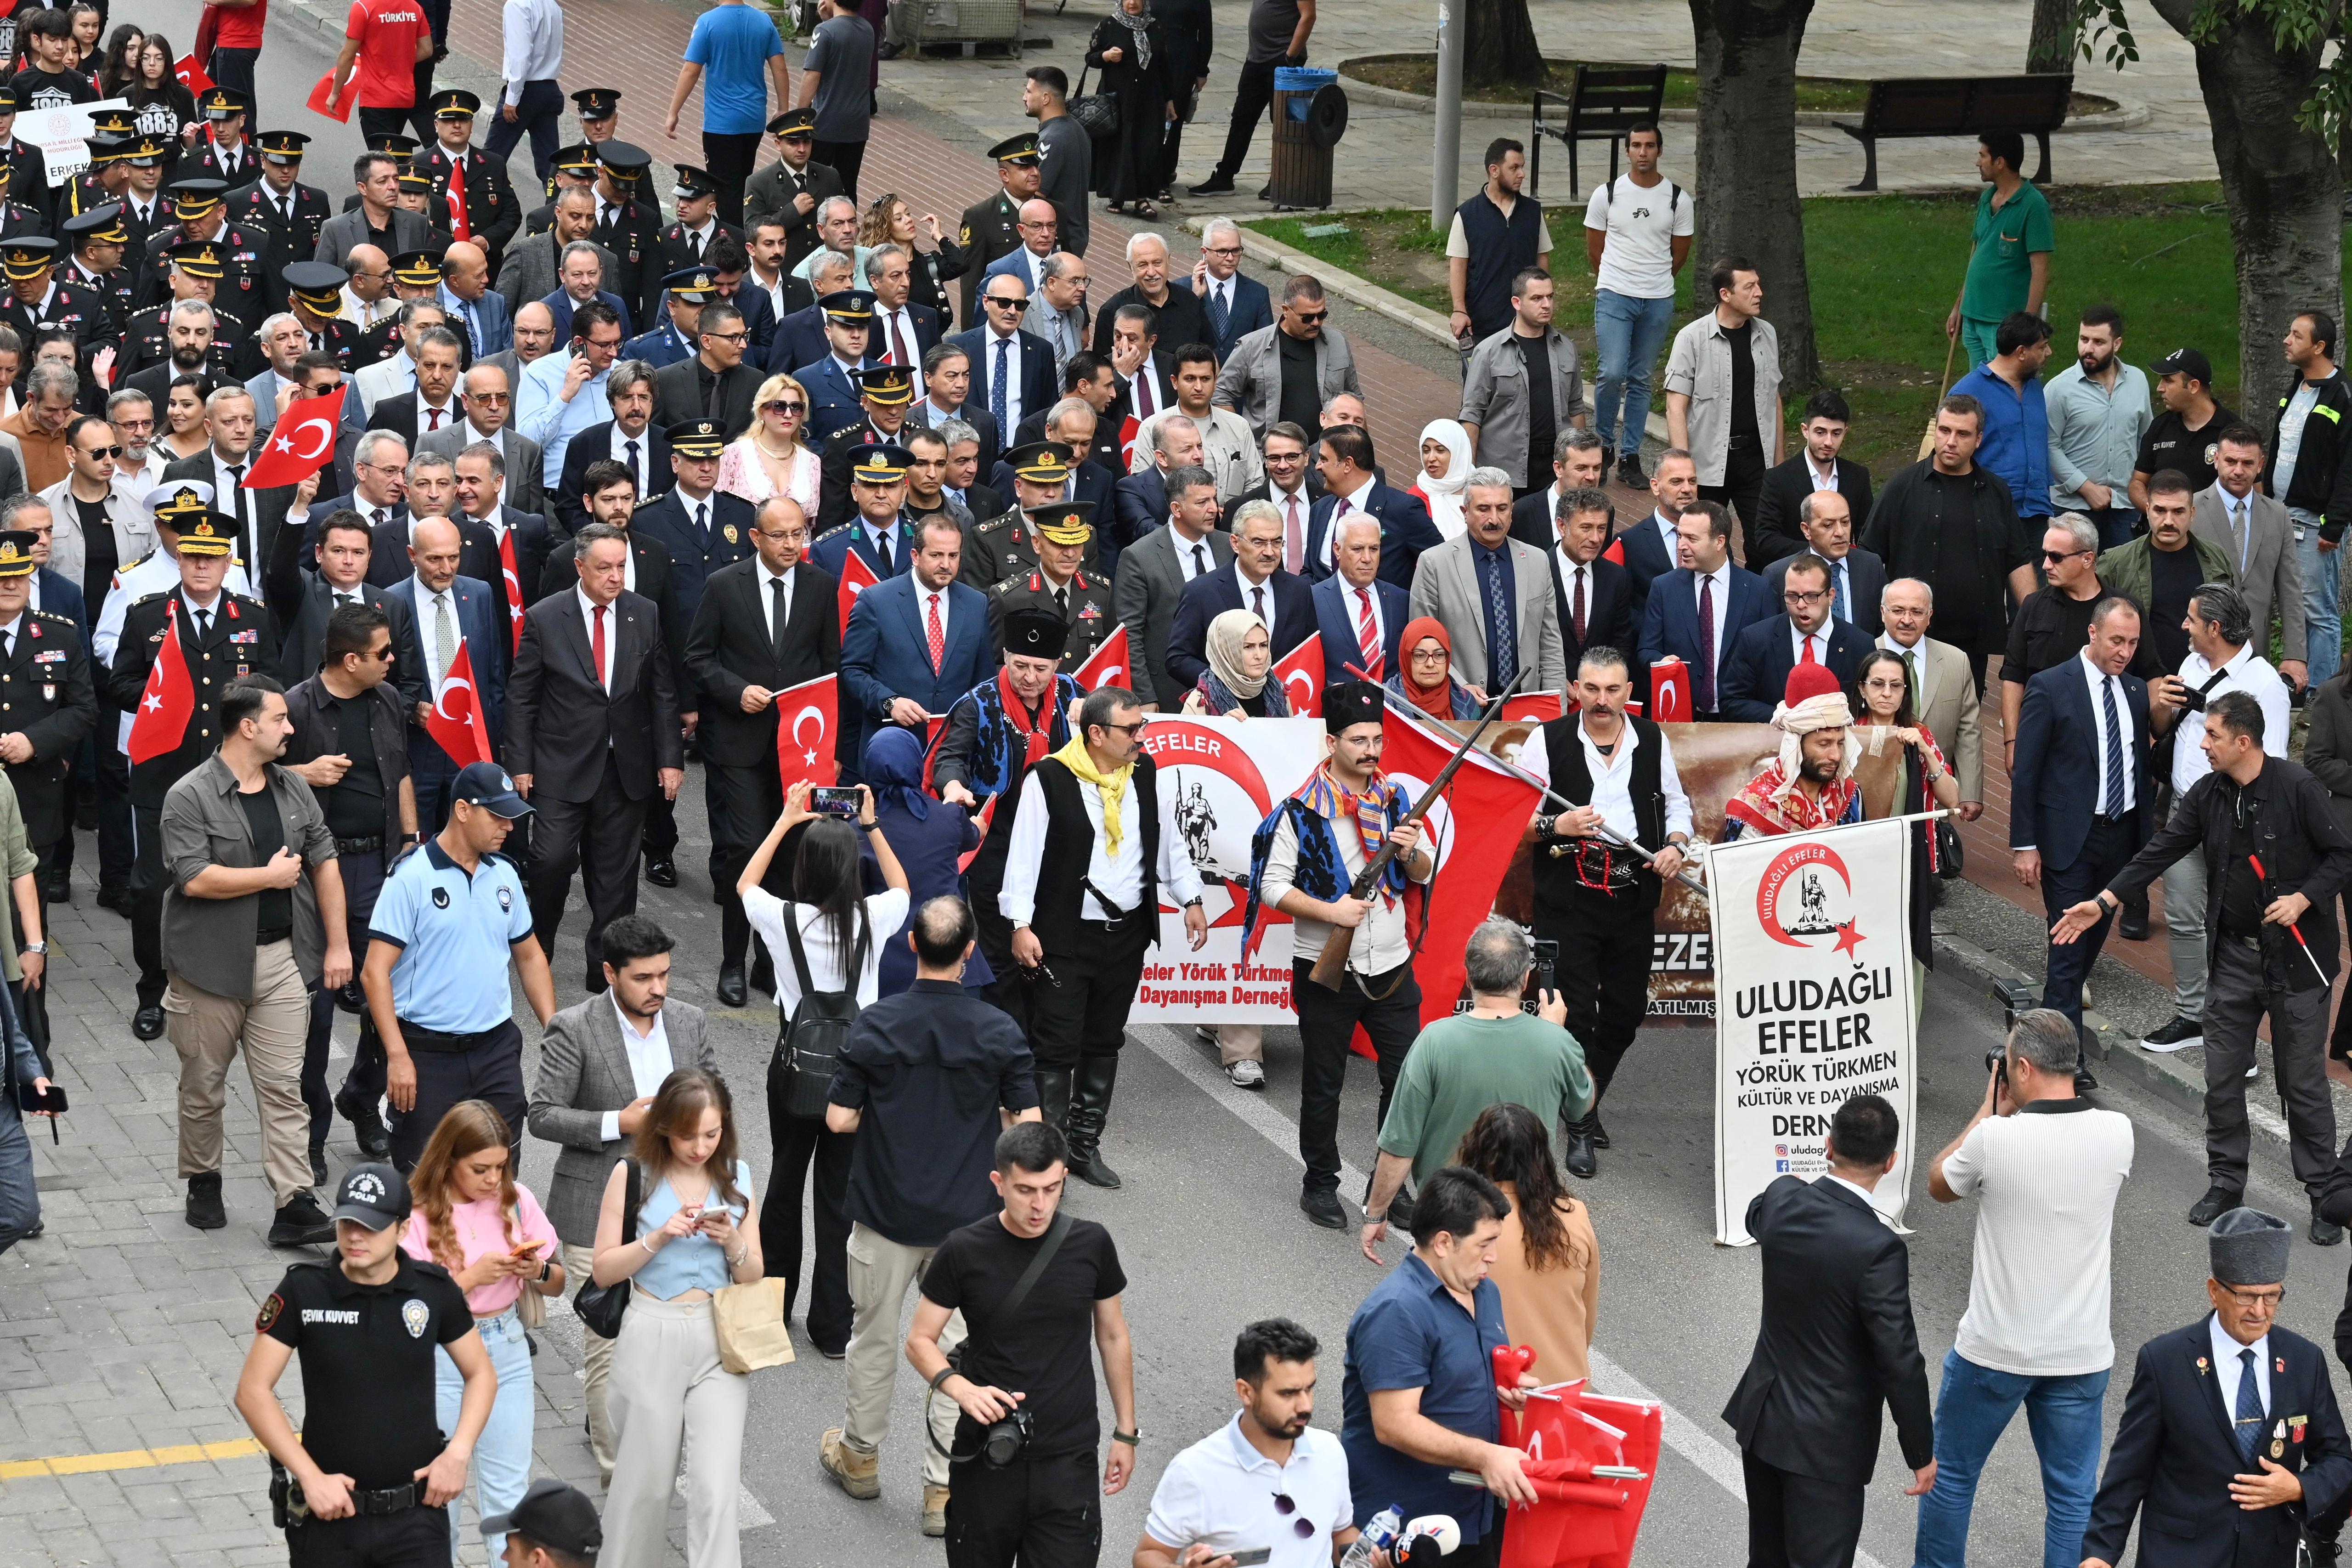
810 1043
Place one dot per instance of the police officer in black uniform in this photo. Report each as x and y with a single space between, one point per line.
195 271
573 165
998 547
628 225
884 393
277 206
314 293
97 238
370 1479
36 297
992 228
492 211
201 213
222 636
1060 584
47 705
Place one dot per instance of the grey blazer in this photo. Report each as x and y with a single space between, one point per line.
1251 383
529 271
339 233
583 1072
1144 593
2273 575
526 482
1445 584
1947 705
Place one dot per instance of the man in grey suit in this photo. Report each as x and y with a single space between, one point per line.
533 269
1151 576
2258 536
600 1064
1452 583
489 408
1251 384
1857 577
534 336
378 212
1943 690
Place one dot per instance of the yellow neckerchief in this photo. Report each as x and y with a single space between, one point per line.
1111 786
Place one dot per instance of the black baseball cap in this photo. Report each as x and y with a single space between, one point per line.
2190 363
491 786
552 1514
375 1195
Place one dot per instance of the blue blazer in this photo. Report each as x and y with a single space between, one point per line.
1207 598
1405 533
1752 679
486 642
660 348
1253 308
759 321
490 314
1015 263
1335 617
1140 502
886 654
2053 786
1037 386
1647 558
560 304
834 404
831 551
61 595
794 341
693 558
1670 620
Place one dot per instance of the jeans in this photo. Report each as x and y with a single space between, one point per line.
20 1201
502 1453
2323 596
1630 333
539 111
1972 1411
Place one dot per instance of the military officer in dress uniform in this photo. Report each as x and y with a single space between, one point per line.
278 207
575 165
24 168
885 392
600 113
47 705
834 402
36 298
112 133
224 154
994 734
201 210
418 193
992 228
144 208
97 238
673 343
792 188
1060 583
998 547
222 636
194 271
469 180
314 293
628 223
686 243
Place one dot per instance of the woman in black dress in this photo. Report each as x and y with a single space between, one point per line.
1191 41
1131 50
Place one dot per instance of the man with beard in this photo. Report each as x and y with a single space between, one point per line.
2098 414
1811 784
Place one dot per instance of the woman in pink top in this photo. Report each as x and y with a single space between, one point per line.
475 1221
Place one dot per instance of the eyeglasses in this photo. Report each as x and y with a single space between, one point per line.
1434 656
382 656
728 337
1794 597
1003 303
1221 250
1134 728
1307 317
488 397
2256 1297
1303 1528
2051 557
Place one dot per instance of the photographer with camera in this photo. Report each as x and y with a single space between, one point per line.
2045 1166
1030 1283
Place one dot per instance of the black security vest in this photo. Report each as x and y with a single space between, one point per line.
1499 247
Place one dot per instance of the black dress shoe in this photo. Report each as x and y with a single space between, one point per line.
57 888
351 998
2133 927
1400 1207
1323 1207
204 1210
301 1223
1214 186
147 1023
764 976
2084 1082
367 1126
661 870
115 898
1600 1133
1580 1158
732 989
2325 1232
2216 1202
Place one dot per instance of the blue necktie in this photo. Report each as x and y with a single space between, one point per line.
1844 600
1503 659
2249 1428
2113 805
1217 316
996 384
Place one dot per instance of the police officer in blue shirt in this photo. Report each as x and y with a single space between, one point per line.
436 967
674 342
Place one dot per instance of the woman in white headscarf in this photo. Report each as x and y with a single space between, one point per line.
1238 682
1446 465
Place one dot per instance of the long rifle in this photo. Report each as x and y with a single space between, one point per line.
1332 966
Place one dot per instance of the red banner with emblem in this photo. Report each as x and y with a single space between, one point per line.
807 716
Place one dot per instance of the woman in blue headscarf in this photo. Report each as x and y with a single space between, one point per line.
928 836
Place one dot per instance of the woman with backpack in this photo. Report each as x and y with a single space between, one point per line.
827 942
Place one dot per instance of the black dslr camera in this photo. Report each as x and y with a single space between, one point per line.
1003 1442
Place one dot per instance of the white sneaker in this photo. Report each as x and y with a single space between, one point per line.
1246 1074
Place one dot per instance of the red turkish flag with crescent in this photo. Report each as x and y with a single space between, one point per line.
302 443
1126 431
1301 673
456 725
855 578
455 190
192 75
513 576
806 717
1540 706
1107 666
316 103
167 704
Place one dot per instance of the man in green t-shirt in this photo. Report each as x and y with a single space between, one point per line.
2009 251
1494 1054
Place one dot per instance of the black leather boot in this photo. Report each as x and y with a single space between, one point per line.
1089 1112
1054 1097
1578 1156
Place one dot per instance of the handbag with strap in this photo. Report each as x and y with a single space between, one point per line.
1096 113
749 1320
530 1307
809 1046
600 1306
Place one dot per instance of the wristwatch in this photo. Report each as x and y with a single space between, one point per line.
1132 1439
41 947
1191 903
546 1267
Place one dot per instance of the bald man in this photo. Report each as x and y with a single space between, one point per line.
1040 228
534 335
368 298
477 312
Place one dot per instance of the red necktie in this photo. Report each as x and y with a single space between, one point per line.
939 637
898 355
1809 657
434 414
1143 409
1367 634
1575 610
596 645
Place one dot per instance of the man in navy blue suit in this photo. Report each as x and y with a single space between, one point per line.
1255 582
1012 370
702 527
2079 787
1757 673
880 533
832 390
1360 616
799 338
1142 496
1857 577
1072 429
1232 303
1734 597
889 672
1344 458
438 598
1594 597
1647 547
728 264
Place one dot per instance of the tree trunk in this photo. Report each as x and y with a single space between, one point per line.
2282 187
1501 49
2050 46
1747 162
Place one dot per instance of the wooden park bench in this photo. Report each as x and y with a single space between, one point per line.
1960 105
1602 103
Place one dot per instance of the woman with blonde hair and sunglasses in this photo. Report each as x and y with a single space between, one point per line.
890 221
668 1388
770 458
473 1218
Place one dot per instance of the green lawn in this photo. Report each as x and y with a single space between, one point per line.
1883 271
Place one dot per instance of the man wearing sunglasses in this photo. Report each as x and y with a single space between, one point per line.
1012 371
2053 624
1287 372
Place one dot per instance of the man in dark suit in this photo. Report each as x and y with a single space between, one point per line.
1835 1343
434 405
887 673
715 384
702 527
1152 575
1345 460
493 215
1231 304
947 398
2079 788
480 472
1012 370
449 609
1593 597
763 627
592 735
1360 616
1255 583
650 572
1756 674
1671 619
802 335
633 421
378 211
1579 461
1648 548
302 594
2230 1437
1857 577
904 332
258 514
1777 532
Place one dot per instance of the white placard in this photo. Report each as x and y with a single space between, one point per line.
1814 1005
62 134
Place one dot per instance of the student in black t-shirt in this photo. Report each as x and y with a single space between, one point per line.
46 83
372 1473
1029 1365
2185 434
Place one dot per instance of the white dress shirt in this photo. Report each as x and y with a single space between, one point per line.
774 292
1613 781
2249 673
2096 677
985 383
588 609
649 1062
1188 565
1262 608
1120 878
768 598
878 340
925 600
1822 479
533 38
226 488
1571 571
428 626
2228 1368
1797 643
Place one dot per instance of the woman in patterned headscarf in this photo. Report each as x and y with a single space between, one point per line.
1129 49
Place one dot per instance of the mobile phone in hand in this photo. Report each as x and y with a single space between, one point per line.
834 800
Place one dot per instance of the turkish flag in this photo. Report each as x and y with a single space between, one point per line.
855 578
1616 551
1301 673
1670 692
1474 831
1540 706
302 443
456 725
804 752
317 100
1127 429
192 75
455 193
1107 666
513 576
167 704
